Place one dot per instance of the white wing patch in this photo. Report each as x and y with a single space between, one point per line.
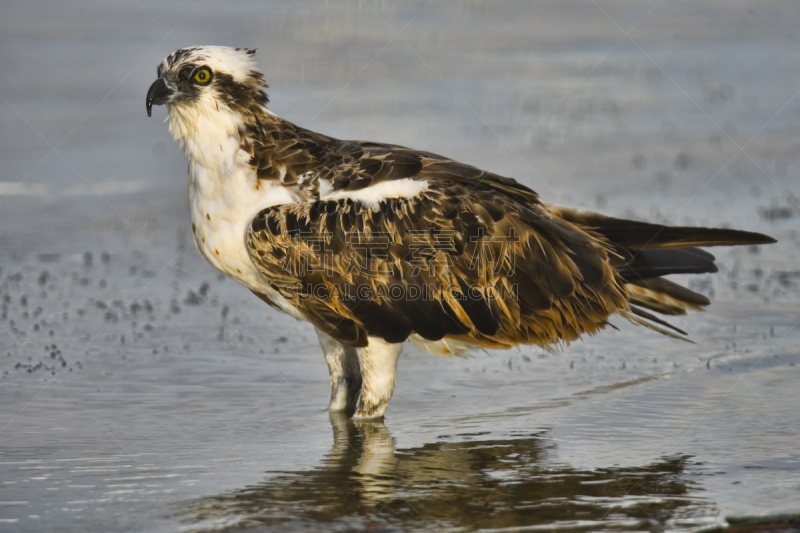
373 195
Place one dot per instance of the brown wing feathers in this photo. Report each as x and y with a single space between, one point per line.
439 266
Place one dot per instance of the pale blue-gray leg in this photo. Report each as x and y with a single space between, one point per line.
378 363
345 373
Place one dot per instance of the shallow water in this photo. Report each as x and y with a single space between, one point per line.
140 391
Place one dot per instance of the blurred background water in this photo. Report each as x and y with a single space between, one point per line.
141 391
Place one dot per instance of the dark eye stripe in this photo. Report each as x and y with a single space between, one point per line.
186 73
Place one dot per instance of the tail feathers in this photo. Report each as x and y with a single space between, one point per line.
668 294
663 297
655 263
643 318
644 252
635 235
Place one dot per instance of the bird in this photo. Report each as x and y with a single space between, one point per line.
376 244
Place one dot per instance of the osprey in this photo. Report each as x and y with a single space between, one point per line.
377 244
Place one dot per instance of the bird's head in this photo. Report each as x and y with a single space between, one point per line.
204 79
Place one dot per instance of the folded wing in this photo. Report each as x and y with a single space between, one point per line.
461 260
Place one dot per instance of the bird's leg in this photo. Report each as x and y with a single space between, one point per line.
345 373
378 370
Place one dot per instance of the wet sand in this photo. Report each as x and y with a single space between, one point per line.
141 391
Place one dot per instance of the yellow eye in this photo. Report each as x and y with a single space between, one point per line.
202 76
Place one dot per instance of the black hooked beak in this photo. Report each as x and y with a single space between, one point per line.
158 94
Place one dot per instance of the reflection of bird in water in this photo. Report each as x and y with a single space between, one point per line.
473 484
376 244
375 455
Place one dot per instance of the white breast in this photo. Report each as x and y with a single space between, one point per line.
225 195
